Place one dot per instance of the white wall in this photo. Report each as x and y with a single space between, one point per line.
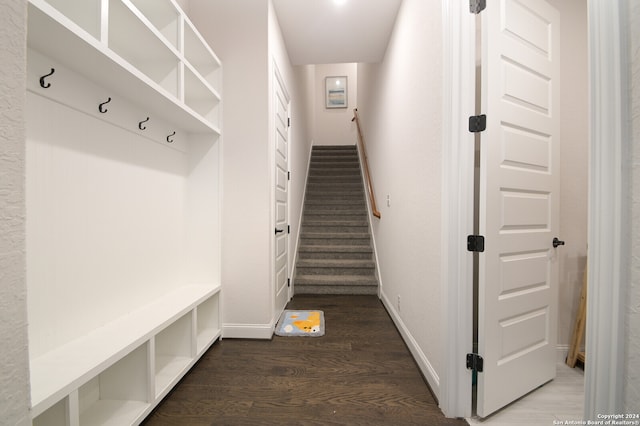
184 5
246 37
14 356
574 157
333 126
632 315
237 32
400 103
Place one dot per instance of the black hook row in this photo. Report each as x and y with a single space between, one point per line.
101 106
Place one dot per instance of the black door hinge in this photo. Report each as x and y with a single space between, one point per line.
475 362
477 6
288 121
288 175
288 282
288 229
475 243
477 123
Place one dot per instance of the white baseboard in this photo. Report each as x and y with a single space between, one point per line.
562 351
418 355
247 331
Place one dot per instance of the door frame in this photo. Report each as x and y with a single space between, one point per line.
608 190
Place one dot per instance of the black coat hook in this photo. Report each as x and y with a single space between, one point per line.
171 140
100 107
140 124
42 83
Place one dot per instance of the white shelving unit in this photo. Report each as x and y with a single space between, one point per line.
208 323
123 201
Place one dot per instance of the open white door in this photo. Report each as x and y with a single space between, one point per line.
519 204
281 128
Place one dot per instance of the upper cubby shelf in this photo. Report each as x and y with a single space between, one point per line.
164 16
146 51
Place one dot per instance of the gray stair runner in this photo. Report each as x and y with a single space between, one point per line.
335 254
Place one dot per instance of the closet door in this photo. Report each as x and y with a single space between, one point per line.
519 205
281 138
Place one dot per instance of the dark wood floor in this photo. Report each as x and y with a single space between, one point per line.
359 373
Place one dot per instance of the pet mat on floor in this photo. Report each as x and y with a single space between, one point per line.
301 323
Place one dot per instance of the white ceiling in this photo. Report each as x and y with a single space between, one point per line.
325 32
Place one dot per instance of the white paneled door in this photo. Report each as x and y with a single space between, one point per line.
519 205
281 129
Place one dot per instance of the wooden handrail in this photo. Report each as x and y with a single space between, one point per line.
372 195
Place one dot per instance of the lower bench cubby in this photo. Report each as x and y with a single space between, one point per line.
173 353
117 374
120 394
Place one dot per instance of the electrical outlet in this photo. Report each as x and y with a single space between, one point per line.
398 303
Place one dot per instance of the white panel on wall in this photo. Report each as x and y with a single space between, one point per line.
105 224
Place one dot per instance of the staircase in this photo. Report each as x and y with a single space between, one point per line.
335 254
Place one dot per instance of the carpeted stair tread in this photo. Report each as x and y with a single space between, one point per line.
336 263
334 214
333 229
359 280
356 236
335 221
352 290
336 249
336 196
333 185
336 205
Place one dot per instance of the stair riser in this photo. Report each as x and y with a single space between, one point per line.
327 289
328 190
324 169
335 179
353 205
334 255
335 151
336 271
336 229
329 161
343 167
320 198
332 186
317 241
334 215
334 222
344 194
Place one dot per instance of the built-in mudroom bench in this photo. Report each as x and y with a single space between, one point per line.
123 165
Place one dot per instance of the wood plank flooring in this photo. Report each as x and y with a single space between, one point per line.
359 373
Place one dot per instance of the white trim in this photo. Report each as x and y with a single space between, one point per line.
562 351
248 331
371 218
604 379
294 262
420 358
455 396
